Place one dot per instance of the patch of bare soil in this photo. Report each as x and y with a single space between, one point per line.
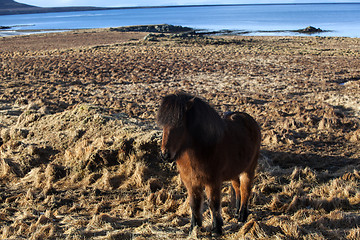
79 143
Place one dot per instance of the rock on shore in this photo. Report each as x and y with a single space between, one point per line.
310 29
160 28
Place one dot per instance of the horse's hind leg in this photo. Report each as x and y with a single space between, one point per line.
236 188
196 199
246 180
213 193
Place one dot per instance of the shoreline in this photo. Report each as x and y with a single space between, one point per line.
308 31
12 33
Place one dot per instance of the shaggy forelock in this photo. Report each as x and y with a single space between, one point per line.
172 109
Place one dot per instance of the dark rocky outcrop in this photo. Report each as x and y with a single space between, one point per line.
309 30
160 28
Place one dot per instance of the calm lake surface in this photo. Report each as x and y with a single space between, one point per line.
339 19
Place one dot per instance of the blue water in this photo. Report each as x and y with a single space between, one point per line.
340 19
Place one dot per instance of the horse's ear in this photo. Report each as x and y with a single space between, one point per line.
190 103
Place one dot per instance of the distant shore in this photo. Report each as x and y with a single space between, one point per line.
34 9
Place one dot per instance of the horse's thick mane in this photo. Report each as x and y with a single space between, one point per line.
204 124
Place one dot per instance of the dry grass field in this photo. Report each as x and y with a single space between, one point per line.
79 143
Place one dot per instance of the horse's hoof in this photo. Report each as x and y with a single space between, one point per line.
243 217
217 231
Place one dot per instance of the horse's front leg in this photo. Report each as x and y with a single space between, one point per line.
196 199
213 193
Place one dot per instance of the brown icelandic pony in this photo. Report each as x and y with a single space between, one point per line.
208 150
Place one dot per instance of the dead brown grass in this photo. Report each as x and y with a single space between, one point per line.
79 145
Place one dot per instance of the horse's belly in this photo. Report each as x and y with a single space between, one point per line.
233 162
192 173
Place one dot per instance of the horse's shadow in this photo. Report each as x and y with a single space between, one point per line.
319 163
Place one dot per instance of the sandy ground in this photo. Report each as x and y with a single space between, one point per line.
79 143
